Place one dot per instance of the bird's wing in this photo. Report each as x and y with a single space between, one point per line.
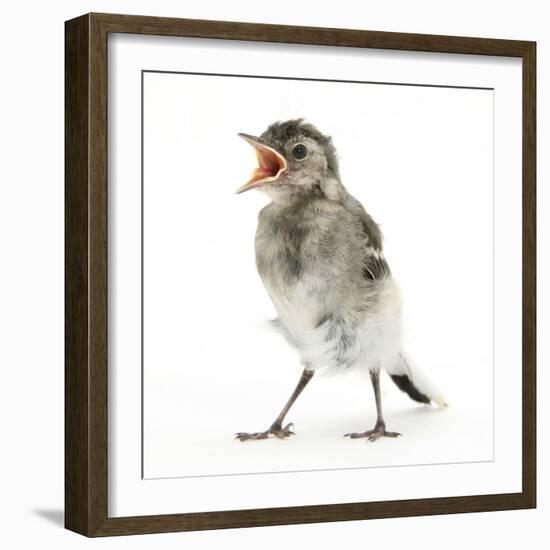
374 266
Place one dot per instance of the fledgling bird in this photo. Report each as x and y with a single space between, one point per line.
319 255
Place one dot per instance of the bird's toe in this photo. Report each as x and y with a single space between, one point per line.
276 431
282 433
372 435
245 436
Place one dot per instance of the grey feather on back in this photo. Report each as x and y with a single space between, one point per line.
375 265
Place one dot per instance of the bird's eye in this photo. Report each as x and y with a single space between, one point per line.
299 151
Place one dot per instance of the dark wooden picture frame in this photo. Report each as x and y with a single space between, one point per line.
86 284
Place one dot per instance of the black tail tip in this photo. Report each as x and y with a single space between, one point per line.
404 383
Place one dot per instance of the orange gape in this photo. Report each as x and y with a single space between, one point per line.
271 164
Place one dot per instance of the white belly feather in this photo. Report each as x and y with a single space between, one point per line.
373 342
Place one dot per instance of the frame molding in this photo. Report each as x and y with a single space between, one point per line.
86 284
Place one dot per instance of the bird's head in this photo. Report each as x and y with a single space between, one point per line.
294 159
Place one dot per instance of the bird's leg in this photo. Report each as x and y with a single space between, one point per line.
379 429
276 429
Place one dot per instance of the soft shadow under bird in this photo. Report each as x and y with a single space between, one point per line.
319 255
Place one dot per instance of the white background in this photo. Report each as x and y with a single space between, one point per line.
421 160
32 298
168 144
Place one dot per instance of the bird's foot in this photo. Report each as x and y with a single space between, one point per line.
275 430
372 435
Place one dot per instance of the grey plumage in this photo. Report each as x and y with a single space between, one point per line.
313 234
320 257
281 134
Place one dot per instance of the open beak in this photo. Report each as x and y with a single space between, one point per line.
271 164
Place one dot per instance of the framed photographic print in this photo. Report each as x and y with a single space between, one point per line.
300 274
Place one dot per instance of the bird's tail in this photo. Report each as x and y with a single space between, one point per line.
410 379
